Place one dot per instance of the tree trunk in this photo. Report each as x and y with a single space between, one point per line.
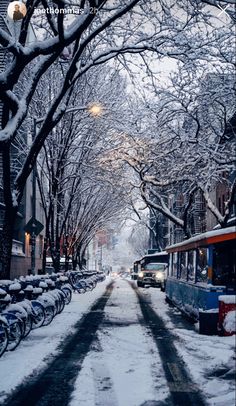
6 244
74 256
46 243
45 248
78 257
10 212
74 262
56 256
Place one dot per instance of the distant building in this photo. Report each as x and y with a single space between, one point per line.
99 253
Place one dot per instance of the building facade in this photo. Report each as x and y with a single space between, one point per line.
21 248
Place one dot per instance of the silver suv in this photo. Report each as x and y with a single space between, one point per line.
153 274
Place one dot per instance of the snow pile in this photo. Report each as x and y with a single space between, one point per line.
2 292
229 323
228 299
15 286
6 299
43 285
5 282
214 310
38 291
29 288
63 278
19 310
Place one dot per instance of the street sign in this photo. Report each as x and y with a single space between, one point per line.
33 225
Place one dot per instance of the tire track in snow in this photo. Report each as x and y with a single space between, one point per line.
183 391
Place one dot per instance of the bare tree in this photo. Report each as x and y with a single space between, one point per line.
183 143
69 165
139 237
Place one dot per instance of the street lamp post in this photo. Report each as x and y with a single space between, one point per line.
95 110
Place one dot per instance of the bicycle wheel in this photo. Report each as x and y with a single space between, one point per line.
68 294
38 314
80 290
3 337
57 301
28 325
61 300
28 320
49 315
15 336
55 304
14 330
88 286
22 316
93 284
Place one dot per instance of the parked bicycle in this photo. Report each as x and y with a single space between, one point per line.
33 301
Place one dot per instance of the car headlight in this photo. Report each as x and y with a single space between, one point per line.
140 274
160 275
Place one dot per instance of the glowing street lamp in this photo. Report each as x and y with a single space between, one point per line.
95 109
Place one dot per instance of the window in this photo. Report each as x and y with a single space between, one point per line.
183 265
169 269
202 265
175 262
191 265
155 267
224 264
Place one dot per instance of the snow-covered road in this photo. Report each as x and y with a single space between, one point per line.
122 366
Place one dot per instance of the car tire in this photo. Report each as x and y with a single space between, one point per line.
139 284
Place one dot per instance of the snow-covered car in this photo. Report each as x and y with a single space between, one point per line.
153 274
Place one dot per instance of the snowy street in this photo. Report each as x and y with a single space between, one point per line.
117 203
119 346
